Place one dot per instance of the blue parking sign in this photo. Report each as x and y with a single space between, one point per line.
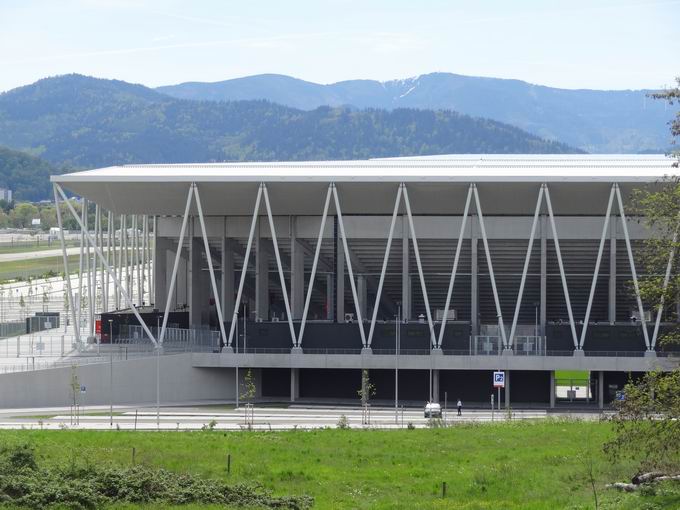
499 379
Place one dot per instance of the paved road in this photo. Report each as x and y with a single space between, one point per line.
264 418
41 254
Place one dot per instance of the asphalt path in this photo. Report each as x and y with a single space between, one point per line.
259 418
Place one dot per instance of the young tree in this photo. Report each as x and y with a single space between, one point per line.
658 208
671 96
647 424
367 389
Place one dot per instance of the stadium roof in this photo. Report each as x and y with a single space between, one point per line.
161 188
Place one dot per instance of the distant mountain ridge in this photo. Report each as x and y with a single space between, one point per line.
619 121
79 121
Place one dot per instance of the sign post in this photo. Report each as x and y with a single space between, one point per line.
499 382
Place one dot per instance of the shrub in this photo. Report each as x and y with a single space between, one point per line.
343 422
25 484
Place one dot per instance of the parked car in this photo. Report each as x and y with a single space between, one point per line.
433 410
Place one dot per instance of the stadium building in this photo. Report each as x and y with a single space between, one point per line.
443 268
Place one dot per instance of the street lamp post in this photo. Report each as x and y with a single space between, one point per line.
158 375
111 372
396 363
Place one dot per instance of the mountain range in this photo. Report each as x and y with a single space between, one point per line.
79 122
598 121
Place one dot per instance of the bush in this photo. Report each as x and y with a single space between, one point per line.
343 422
25 484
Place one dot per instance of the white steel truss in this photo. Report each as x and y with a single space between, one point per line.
414 239
384 265
348 259
563 275
178 256
213 281
99 254
244 270
525 270
641 309
315 263
67 275
454 270
600 250
666 279
279 265
482 228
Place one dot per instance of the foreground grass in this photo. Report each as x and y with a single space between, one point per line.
520 465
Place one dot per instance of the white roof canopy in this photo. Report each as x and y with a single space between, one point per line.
437 184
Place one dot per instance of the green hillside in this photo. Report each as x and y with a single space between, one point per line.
86 122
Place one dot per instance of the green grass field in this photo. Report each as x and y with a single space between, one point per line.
575 375
32 247
35 267
520 465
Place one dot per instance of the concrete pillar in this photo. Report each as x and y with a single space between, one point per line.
160 271
261 276
600 389
227 280
362 294
552 389
405 266
544 275
507 389
196 294
330 297
294 384
612 269
474 285
297 273
435 385
340 281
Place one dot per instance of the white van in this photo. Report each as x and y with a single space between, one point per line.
433 410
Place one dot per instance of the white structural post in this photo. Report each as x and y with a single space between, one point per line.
67 275
119 258
147 256
482 229
153 268
641 308
416 252
138 263
315 264
244 269
525 270
81 267
454 269
600 250
110 258
213 281
178 256
395 212
124 241
277 255
565 288
666 279
91 265
108 269
352 283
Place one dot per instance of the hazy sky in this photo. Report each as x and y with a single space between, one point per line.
571 43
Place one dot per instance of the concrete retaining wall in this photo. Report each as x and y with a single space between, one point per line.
134 382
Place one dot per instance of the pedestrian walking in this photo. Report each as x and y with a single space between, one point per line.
459 405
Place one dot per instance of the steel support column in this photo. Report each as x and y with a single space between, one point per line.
108 269
641 309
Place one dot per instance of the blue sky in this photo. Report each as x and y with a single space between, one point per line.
602 44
